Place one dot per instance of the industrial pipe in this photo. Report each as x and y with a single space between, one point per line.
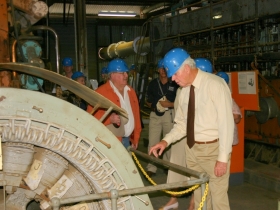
81 36
22 37
34 28
156 6
123 49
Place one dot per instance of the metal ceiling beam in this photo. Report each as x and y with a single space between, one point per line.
156 6
111 2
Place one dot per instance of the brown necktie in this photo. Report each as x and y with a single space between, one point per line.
190 121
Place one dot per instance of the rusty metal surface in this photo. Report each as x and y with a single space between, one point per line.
23 5
4 41
269 131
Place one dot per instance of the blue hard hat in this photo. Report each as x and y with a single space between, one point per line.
67 61
132 67
117 65
223 75
204 64
77 74
160 64
173 60
104 70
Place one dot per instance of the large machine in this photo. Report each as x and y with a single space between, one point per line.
46 155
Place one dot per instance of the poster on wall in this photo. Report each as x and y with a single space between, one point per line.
247 82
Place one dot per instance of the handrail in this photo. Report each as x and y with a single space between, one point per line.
114 194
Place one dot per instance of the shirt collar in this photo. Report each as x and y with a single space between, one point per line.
197 81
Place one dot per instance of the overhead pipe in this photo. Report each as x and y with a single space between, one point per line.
123 49
151 8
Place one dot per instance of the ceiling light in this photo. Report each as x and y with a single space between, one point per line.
217 13
217 16
116 14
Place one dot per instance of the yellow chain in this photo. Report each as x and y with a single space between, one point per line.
172 192
203 197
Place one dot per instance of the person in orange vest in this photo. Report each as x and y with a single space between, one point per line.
119 92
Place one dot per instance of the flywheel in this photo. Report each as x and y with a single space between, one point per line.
52 148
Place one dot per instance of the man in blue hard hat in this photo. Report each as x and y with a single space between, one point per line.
116 89
204 64
161 94
207 121
67 66
74 99
79 77
104 76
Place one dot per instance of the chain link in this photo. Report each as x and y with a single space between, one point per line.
172 192
203 197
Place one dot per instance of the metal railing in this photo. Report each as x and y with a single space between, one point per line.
114 194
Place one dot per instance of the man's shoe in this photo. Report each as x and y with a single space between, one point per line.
150 173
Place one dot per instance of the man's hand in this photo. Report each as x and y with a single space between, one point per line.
115 119
159 146
134 146
166 104
149 104
220 168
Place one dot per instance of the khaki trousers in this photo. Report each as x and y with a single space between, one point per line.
202 158
159 126
177 156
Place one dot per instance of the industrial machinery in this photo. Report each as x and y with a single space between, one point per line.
242 38
46 155
51 148
236 35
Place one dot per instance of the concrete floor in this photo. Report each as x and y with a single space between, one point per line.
244 196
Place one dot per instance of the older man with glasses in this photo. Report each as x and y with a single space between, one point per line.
119 92
204 114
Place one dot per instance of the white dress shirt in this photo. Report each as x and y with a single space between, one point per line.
213 113
125 104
